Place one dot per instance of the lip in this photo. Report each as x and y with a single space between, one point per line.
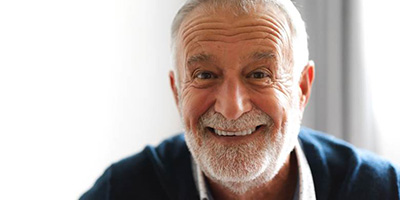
233 139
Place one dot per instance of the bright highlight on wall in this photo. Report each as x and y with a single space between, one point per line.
381 47
83 83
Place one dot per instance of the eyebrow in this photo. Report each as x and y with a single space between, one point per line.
198 58
261 55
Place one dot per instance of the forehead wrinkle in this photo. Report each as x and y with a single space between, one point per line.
224 23
197 44
275 25
198 22
264 24
259 20
262 32
270 28
235 38
253 20
278 28
193 47
261 37
230 32
260 54
238 26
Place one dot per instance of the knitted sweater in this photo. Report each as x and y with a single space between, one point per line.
340 171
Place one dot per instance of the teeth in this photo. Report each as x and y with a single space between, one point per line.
239 133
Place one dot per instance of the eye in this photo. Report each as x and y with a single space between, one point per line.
258 75
205 75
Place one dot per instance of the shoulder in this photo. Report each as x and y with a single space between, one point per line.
343 171
146 175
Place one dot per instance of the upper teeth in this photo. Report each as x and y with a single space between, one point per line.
239 133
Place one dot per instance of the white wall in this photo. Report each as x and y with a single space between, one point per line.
83 83
348 39
381 49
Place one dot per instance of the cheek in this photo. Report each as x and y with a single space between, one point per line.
194 103
274 103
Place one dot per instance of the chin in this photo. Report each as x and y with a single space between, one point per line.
242 166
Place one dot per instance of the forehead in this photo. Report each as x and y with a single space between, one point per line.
264 27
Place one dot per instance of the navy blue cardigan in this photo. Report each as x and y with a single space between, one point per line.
339 170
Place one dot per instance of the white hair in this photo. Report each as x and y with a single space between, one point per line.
298 38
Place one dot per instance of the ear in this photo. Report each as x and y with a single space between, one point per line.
306 81
174 88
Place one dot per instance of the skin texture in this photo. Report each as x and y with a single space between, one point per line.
233 65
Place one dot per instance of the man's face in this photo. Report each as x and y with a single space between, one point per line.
237 98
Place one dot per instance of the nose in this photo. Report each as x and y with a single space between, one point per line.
232 100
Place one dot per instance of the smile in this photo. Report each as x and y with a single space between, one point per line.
234 133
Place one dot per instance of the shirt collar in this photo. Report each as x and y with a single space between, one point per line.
305 184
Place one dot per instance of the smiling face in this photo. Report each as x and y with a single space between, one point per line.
237 97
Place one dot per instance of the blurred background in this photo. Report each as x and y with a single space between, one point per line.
84 83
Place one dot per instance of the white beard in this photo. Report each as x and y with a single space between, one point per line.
241 167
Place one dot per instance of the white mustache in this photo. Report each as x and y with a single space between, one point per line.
253 118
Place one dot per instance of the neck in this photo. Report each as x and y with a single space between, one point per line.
282 186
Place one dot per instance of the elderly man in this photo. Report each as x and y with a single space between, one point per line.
242 80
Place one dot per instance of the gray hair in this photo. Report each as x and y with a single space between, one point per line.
298 37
